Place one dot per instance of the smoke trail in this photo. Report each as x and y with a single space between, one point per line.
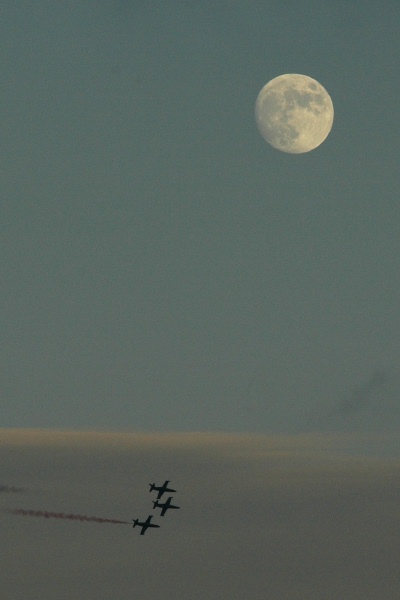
10 489
54 515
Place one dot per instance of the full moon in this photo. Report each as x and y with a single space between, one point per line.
294 113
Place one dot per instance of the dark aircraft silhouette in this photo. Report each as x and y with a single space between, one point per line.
145 525
161 489
165 506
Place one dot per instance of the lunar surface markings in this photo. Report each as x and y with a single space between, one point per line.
294 113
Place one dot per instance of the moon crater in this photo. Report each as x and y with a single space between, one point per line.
294 113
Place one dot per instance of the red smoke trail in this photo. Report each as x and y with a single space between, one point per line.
53 515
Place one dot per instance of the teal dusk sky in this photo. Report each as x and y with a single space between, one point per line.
163 268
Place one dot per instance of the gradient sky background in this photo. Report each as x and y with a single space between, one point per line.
165 272
163 268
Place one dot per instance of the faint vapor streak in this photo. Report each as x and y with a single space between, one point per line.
54 515
9 489
364 395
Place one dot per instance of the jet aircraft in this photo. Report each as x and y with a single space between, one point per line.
161 489
145 525
164 506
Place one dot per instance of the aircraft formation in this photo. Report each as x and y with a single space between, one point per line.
161 490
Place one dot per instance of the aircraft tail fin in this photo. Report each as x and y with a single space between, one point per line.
151 486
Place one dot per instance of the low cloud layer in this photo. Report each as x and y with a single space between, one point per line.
303 517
